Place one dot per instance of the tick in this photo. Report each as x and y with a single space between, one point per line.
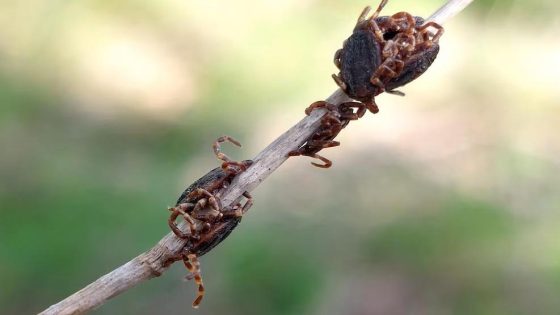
384 53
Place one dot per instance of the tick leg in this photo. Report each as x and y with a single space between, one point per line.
326 162
234 212
212 200
190 222
322 138
379 8
424 29
339 82
377 82
386 72
337 58
316 140
372 107
399 66
330 120
376 30
330 127
182 210
373 24
390 50
297 152
323 144
406 44
249 203
391 65
363 15
319 104
233 167
375 14
205 198
324 135
206 215
240 211
218 149
193 266
173 225
385 69
395 92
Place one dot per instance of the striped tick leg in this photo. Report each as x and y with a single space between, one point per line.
227 162
193 265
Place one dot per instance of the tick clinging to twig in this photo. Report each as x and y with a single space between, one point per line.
336 118
384 53
208 223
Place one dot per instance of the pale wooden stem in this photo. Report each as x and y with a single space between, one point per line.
449 10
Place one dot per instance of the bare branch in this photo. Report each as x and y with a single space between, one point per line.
449 10
157 260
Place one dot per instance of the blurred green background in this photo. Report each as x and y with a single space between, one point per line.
446 202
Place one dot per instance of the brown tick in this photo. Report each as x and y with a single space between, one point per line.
332 123
384 53
208 223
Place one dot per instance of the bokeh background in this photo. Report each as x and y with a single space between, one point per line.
446 202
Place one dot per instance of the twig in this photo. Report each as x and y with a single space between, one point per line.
449 10
155 261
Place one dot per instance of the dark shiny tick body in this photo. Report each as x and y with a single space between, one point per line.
359 58
222 227
415 65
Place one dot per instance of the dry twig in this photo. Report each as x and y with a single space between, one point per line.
153 262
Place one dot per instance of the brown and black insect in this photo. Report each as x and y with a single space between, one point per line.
336 118
384 53
208 223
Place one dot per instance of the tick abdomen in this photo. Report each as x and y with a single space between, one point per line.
360 57
415 67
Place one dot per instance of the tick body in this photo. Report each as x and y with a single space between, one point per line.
359 58
215 227
384 53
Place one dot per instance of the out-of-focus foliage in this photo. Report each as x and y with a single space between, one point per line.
446 202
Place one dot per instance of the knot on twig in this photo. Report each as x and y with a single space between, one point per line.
159 259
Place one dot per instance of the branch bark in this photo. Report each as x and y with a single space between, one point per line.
154 262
